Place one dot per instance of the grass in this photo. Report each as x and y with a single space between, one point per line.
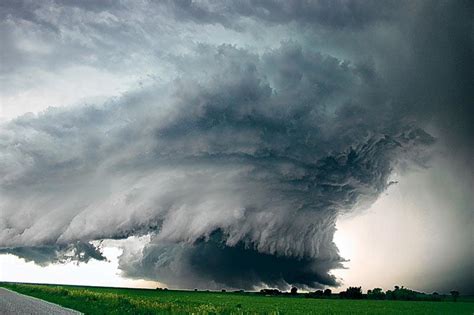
98 300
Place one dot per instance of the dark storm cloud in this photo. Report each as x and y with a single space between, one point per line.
255 150
211 263
238 168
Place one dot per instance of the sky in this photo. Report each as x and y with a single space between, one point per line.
237 144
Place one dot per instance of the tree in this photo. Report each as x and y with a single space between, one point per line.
327 292
376 294
318 293
352 293
270 292
434 297
294 290
315 294
455 295
402 293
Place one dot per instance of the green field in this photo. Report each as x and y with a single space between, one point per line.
95 300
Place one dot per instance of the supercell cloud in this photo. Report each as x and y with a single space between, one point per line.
236 160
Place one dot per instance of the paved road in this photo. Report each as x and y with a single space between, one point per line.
19 304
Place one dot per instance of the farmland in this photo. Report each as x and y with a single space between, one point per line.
99 300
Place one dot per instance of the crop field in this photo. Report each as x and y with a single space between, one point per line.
98 300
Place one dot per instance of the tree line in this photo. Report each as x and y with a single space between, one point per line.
355 293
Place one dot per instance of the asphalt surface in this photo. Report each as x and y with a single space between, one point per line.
19 304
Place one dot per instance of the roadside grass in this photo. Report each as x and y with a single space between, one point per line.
99 300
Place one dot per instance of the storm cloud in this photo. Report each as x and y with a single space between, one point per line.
238 160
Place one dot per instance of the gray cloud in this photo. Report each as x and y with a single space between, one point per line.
254 150
244 156
46 254
331 14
